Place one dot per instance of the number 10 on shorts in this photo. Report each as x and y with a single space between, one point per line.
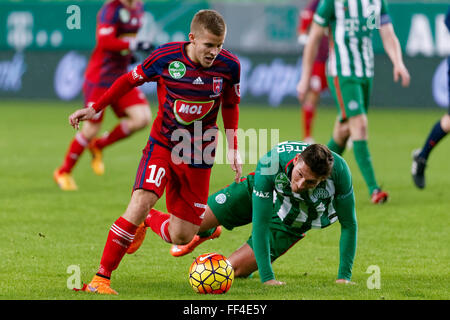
155 176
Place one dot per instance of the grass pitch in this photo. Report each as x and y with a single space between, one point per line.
46 234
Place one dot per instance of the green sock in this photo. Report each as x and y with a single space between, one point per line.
362 156
333 146
207 233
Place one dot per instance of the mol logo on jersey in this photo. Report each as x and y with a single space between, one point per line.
187 112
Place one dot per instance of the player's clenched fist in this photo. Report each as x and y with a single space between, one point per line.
81 115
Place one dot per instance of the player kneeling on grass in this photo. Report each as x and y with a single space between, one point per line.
295 187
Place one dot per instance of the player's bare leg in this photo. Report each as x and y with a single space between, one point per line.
243 261
341 134
308 113
244 264
209 222
137 118
120 237
62 175
183 234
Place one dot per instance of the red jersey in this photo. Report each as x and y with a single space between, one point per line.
111 56
189 93
305 20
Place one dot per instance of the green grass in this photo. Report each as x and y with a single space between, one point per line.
43 231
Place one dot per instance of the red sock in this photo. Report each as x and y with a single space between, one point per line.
120 236
309 111
76 148
121 131
159 223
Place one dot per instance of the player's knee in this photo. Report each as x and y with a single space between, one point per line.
358 127
139 118
138 208
445 123
144 120
136 124
89 130
240 272
181 238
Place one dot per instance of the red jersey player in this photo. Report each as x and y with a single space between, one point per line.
318 78
118 22
194 79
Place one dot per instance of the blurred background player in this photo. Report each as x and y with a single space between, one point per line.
118 22
295 187
350 70
437 133
318 78
195 79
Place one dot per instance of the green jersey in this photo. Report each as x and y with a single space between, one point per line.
273 198
351 24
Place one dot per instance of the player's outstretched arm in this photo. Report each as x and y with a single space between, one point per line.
230 115
81 115
394 51
345 208
309 54
234 158
119 88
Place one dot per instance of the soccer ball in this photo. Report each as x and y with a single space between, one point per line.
211 273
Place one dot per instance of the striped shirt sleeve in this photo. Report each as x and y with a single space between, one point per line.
324 13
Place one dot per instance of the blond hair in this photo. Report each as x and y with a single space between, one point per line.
210 20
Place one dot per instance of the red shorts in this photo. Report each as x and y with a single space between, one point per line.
186 187
92 93
318 80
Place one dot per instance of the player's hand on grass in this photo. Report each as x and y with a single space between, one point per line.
345 281
81 115
274 282
400 71
234 157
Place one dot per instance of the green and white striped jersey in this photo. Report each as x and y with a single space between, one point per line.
351 24
314 208
273 200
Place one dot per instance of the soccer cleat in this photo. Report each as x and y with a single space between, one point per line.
64 180
418 169
97 162
181 250
138 239
379 196
99 285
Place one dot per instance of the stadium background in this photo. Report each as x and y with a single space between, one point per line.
39 40
44 232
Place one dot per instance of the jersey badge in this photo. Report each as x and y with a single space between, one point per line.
217 84
177 69
221 198
320 193
124 15
281 181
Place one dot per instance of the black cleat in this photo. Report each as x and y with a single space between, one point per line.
418 169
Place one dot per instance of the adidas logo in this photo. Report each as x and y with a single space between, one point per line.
198 81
